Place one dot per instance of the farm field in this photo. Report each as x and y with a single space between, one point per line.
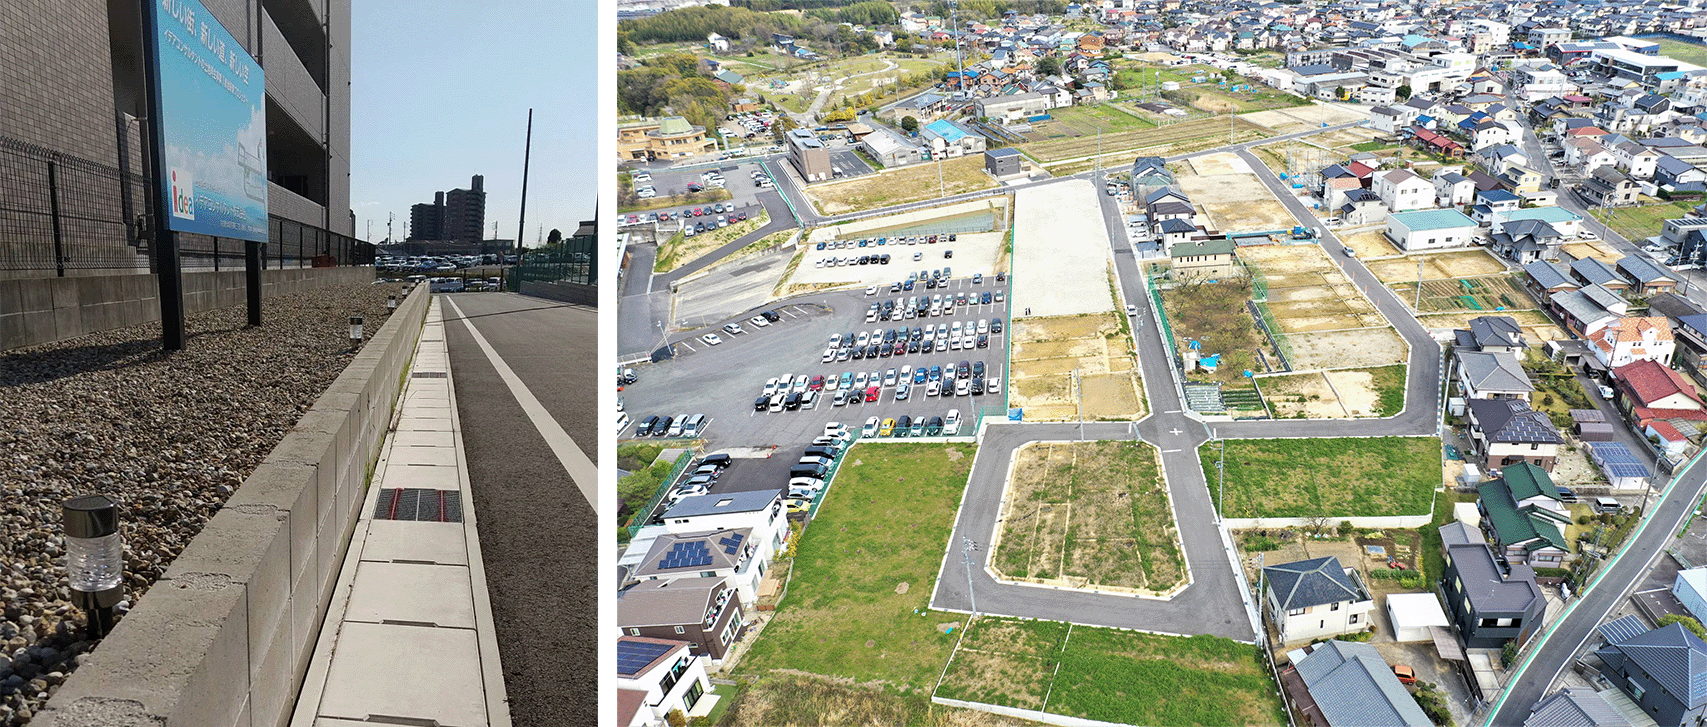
856 608
913 183
1333 478
1089 515
1045 353
1437 266
1486 294
1111 675
1171 140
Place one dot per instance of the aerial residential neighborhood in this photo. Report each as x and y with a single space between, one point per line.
1161 362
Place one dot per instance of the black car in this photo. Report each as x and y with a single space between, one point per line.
983 340
719 460
772 316
858 353
977 369
951 237
830 452
662 426
889 336
977 387
762 403
930 284
995 325
912 347
1001 277
884 258
963 371
884 351
933 427
646 426
927 345
792 401
815 471
902 424
947 254
1566 495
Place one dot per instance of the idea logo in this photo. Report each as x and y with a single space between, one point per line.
183 195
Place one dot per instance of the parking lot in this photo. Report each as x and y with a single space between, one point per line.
846 163
722 380
738 181
968 254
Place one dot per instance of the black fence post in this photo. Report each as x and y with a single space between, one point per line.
252 279
53 209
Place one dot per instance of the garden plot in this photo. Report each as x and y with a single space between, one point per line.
1232 197
1487 294
1046 352
1437 266
1537 327
1089 515
1216 316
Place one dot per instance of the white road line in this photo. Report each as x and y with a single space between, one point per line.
575 462
684 344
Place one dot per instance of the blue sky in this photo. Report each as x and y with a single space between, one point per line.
440 91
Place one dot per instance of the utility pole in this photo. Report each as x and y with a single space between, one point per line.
1221 475
1079 398
390 218
966 549
1417 304
527 155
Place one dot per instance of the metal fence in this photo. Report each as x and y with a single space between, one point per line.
664 488
65 214
575 260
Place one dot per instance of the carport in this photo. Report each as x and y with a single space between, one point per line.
1413 616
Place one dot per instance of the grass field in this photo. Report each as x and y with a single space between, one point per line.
1679 50
1125 677
680 250
1104 117
1389 385
1639 223
1170 140
898 186
863 572
1090 513
1336 478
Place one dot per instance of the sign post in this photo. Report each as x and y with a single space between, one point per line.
207 138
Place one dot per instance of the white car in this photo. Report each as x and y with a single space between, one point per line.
870 428
759 321
771 386
993 385
951 423
711 339
835 429
1131 310
733 329
829 355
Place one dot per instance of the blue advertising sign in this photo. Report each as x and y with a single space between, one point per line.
209 112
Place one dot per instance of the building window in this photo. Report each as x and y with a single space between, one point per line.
634 632
1296 611
1334 607
680 630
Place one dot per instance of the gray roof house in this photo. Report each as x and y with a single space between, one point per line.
1489 602
1546 279
1488 375
1647 276
1664 670
1574 707
1348 684
1315 598
1491 333
1594 272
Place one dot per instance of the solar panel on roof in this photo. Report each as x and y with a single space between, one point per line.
632 656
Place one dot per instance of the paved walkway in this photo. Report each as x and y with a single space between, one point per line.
409 637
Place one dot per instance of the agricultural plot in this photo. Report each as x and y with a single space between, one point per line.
1046 352
1111 675
1089 515
913 183
1494 293
1437 266
1331 478
1174 139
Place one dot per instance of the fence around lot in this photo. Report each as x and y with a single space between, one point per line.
574 261
66 215
664 488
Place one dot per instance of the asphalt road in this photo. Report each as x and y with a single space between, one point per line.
534 519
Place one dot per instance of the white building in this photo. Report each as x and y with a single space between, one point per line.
655 677
1402 190
1635 339
1430 229
1316 598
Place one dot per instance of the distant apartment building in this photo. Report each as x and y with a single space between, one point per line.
809 155
458 215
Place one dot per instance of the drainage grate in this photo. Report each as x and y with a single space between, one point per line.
419 504
427 375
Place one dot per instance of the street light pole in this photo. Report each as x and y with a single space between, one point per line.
1221 474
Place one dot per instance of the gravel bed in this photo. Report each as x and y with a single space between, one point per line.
168 436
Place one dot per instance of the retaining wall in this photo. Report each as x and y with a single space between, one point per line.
1378 521
563 292
225 636
43 310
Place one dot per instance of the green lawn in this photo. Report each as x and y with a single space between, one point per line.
1373 146
1335 478
1639 223
1131 677
881 530
1102 116
1389 384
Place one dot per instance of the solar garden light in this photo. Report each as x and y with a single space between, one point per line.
391 303
355 332
94 559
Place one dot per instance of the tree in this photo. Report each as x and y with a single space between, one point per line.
1688 622
554 237
910 124
1048 66
1403 92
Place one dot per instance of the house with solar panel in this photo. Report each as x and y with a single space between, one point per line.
1316 598
1525 517
1663 670
655 677
733 536
702 611
1506 432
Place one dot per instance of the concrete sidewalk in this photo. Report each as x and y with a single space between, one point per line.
409 637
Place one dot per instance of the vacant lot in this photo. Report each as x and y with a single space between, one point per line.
1125 677
1046 351
1371 245
1679 50
1104 118
1437 266
1220 101
1637 224
1216 317
1168 140
1089 514
1334 478
681 250
1537 327
1357 347
1375 392
1597 249
1232 197
863 573
785 698
1287 121
899 186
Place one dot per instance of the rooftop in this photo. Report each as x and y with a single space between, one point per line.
1432 220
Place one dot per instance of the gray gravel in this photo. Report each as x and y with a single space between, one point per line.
169 436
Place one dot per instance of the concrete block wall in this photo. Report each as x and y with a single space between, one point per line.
563 292
43 310
224 637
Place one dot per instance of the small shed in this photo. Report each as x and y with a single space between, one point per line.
1413 613
1691 591
1624 471
1590 425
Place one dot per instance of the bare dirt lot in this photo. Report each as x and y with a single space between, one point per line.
1536 325
1437 266
1089 514
902 185
1288 121
1307 292
1370 243
1597 249
1307 394
1358 348
1231 196
1046 351
1061 250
